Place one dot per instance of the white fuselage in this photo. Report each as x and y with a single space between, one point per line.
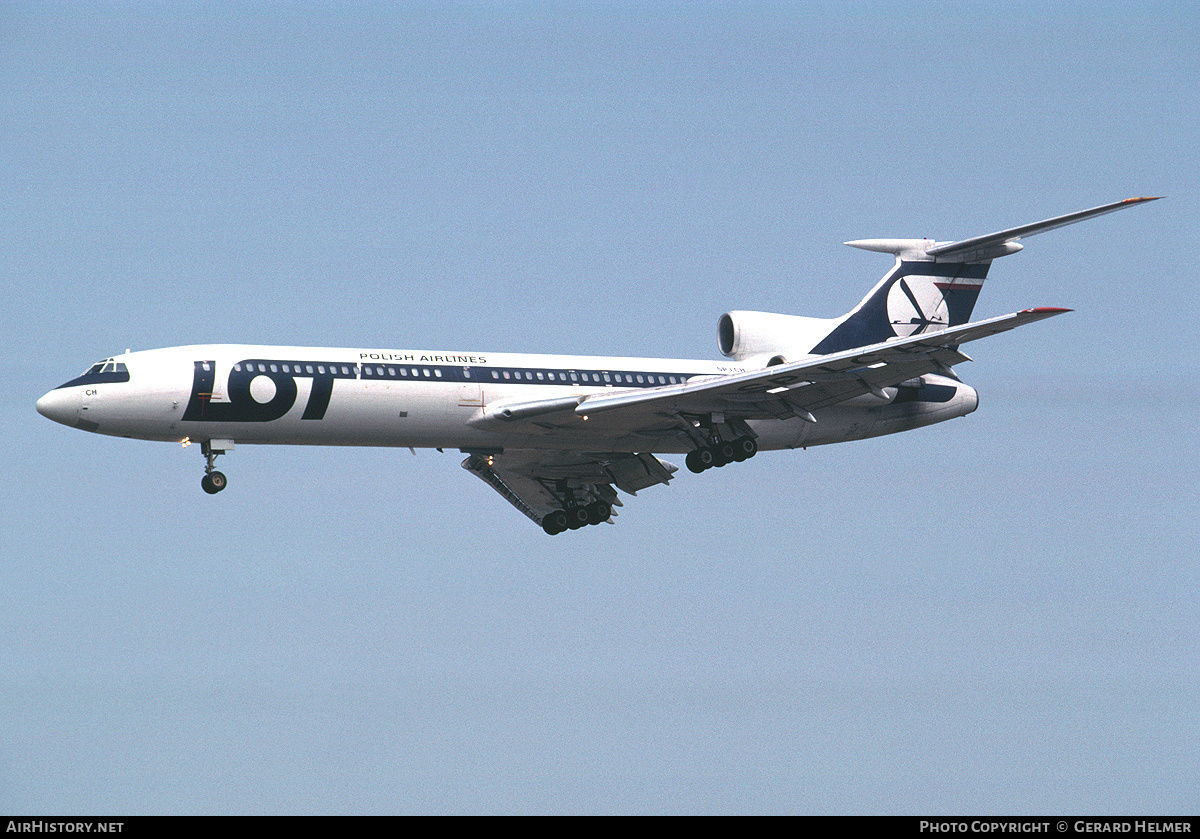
371 397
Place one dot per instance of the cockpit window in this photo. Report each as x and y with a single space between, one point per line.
102 372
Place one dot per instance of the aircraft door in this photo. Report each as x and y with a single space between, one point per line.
470 393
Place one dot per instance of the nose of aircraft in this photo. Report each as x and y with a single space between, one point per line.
60 405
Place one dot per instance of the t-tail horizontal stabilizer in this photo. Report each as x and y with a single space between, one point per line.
989 247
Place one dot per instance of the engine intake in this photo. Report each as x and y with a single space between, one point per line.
768 338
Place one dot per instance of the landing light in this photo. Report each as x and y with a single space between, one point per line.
186 441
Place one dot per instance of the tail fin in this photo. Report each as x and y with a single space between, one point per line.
934 285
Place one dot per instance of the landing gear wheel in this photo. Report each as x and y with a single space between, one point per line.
598 512
214 482
744 448
726 453
704 458
554 523
693 462
577 517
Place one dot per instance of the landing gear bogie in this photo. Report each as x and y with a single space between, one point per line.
721 453
576 517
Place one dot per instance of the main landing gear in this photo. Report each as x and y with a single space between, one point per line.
213 481
575 517
719 440
721 452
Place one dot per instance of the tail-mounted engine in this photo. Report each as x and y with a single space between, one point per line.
766 339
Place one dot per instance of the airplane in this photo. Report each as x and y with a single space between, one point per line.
558 435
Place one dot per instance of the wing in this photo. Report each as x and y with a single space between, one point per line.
779 392
539 482
547 485
801 387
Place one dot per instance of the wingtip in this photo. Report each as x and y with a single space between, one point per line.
1046 310
1142 199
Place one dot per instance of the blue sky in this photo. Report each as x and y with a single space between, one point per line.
997 614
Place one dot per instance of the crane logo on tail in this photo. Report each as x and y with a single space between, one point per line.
916 305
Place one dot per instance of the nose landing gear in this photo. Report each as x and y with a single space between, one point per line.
213 481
